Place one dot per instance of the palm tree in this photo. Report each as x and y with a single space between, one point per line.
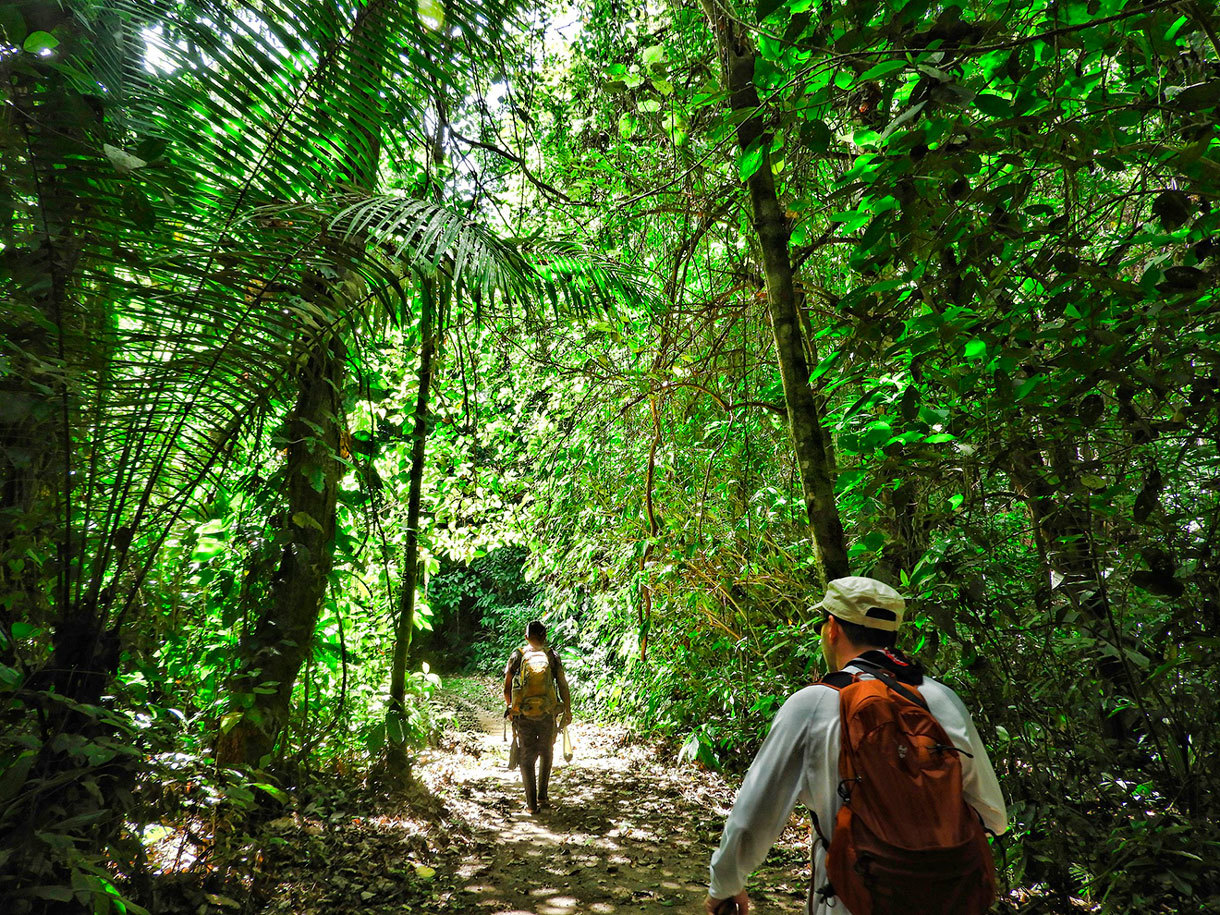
192 229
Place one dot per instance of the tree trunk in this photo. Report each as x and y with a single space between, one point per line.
1063 531
282 638
40 258
810 441
284 632
410 559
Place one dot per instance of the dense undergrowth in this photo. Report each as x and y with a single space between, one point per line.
339 339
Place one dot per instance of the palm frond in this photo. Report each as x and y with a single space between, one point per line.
145 155
428 238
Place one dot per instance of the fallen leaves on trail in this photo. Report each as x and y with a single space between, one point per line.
629 832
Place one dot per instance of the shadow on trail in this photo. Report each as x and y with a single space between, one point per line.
627 832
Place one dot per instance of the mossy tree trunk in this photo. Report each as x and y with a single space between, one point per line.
274 652
810 440
410 557
283 635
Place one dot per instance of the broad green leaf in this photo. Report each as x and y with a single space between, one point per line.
305 519
765 8
885 68
22 630
39 43
229 721
751 159
278 793
993 105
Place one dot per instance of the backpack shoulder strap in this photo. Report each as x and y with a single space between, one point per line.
891 682
516 661
838 679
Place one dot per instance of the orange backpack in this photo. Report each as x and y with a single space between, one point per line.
905 840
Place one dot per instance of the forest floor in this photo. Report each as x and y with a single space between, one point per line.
630 831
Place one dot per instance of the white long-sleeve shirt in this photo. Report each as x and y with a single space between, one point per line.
799 761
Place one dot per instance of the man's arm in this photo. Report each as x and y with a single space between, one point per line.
767 796
564 695
980 787
509 670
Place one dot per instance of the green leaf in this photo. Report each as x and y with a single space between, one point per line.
751 159
815 135
278 793
138 208
57 893
375 739
39 43
229 721
766 7
993 105
305 519
25 630
884 68
394 729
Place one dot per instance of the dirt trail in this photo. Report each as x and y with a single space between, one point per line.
629 831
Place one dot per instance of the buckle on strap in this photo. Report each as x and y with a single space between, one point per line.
844 791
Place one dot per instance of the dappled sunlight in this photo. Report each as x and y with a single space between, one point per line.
628 832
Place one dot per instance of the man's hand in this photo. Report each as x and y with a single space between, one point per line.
565 719
734 905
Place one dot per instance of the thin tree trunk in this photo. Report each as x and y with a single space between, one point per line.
1063 531
809 439
410 570
283 636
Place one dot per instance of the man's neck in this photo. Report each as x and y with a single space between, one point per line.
852 652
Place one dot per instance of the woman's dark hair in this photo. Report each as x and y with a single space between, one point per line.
864 635
535 630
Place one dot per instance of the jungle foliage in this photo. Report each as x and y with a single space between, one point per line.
330 327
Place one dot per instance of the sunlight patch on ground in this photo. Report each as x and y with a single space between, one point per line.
629 832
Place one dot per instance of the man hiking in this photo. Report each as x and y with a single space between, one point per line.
535 693
889 764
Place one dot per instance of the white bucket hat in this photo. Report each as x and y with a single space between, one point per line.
864 601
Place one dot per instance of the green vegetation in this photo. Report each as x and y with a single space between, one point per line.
337 338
